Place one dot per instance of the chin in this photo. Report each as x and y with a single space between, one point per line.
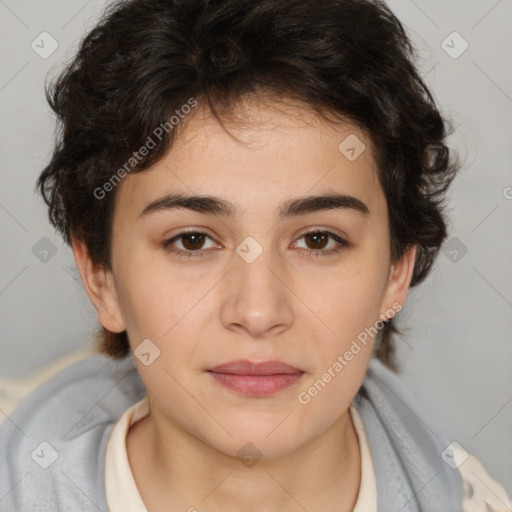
270 439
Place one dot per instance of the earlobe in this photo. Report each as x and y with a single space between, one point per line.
100 287
399 280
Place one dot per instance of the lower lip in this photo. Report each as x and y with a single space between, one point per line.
256 385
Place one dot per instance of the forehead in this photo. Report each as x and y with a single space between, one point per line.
264 154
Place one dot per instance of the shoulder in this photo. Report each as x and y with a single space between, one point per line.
405 447
53 444
481 492
411 432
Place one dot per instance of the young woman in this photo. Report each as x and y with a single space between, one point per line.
250 188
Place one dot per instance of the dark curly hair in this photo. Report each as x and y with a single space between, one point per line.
145 59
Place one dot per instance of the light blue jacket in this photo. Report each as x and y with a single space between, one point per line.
52 447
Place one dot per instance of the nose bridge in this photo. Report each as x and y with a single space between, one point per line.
256 299
253 264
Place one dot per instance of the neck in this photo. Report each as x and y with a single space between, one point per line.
171 466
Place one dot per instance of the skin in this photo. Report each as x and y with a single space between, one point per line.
302 309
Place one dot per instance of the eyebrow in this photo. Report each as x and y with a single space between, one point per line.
211 205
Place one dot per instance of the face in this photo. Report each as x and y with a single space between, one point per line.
273 275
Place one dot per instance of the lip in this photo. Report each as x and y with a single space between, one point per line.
245 367
256 379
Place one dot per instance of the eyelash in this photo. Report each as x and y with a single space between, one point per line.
311 253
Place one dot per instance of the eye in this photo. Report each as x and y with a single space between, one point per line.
317 243
192 243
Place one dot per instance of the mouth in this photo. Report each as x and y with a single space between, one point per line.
256 379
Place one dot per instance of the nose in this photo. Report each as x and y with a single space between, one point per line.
257 300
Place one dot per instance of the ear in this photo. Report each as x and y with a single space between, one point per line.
100 287
398 282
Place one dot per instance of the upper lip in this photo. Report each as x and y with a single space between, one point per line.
245 367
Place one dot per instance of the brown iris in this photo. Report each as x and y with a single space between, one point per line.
193 241
317 238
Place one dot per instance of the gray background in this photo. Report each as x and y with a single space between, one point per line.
457 353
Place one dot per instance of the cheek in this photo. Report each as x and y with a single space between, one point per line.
348 307
343 346
344 342
349 299
151 301
160 304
